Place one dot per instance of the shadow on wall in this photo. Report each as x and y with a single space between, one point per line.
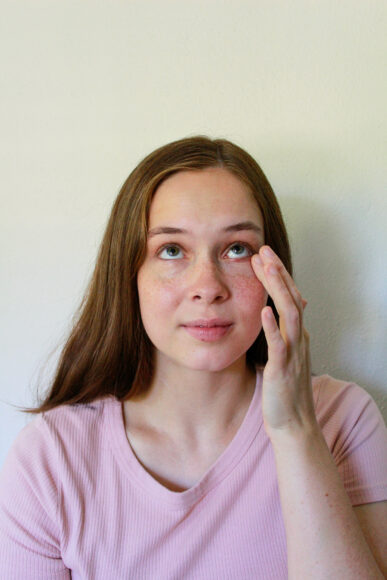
345 318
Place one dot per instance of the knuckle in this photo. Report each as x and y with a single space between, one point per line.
280 347
298 296
293 314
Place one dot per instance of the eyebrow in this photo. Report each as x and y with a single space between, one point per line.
247 225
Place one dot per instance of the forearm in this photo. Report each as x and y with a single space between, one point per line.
324 538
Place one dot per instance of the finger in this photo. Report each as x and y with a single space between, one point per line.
289 312
259 271
262 271
268 255
259 268
277 351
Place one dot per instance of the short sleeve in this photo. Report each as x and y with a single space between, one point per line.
357 438
29 528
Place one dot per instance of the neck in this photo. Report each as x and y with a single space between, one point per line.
195 406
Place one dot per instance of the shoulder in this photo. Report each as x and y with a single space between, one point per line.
335 397
349 418
43 478
57 436
73 421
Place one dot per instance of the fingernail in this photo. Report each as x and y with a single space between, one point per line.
268 252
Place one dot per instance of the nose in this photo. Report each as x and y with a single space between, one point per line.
207 283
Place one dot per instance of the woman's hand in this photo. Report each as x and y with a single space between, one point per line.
287 399
319 543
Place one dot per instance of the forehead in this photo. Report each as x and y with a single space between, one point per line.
204 195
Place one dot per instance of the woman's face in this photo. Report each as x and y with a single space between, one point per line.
198 266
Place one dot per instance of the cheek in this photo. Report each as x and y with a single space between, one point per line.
250 294
250 297
155 292
160 292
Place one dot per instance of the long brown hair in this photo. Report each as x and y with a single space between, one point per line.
108 350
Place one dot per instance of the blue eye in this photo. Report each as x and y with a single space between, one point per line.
243 247
172 251
168 248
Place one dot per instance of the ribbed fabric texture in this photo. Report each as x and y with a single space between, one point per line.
75 502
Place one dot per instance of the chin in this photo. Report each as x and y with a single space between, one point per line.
210 363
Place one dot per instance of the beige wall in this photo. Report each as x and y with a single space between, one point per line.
89 87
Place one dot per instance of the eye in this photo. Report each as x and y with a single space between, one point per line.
238 249
171 252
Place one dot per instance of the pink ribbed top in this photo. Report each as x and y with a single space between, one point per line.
75 502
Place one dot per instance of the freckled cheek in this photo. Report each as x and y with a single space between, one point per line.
250 294
156 293
163 291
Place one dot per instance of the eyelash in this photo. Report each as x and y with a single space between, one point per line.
172 245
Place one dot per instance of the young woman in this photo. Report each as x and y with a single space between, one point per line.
184 436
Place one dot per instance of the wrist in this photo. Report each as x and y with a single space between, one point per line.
296 435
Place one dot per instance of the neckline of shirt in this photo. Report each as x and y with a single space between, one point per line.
225 463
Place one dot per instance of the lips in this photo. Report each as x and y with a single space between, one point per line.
212 333
208 323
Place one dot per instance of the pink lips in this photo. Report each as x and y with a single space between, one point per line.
208 330
208 322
